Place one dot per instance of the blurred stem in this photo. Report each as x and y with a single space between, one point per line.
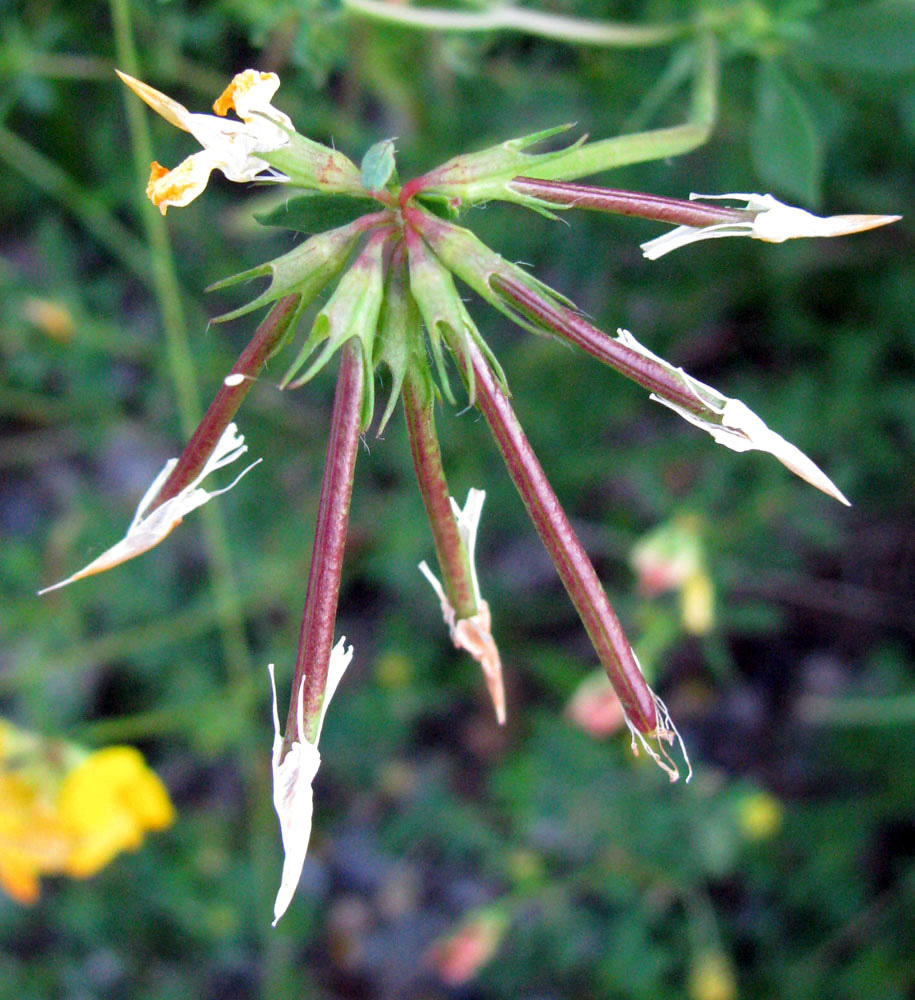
418 403
180 358
269 581
46 175
569 557
227 401
316 637
530 22
657 144
868 711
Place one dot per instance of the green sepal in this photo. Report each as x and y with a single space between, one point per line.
484 176
400 345
378 168
474 263
315 213
432 286
352 311
311 165
439 205
304 271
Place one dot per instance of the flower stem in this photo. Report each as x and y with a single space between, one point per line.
656 144
430 474
655 377
316 637
566 551
227 401
644 206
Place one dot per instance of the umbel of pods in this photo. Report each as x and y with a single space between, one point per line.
395 304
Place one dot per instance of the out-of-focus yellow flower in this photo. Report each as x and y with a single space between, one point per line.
697 603
759 815
712 977
108 802
52 318
64 811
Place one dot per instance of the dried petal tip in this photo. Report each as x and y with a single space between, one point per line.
734 425
293 775
147 530
666 732
768 220
473 634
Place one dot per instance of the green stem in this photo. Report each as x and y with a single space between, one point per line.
530 22
86 207
657 144
180 357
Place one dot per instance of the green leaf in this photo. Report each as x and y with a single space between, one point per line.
874 37
785 144
314 213
378 165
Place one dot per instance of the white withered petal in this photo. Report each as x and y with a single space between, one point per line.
472 634
733 424
147 530
769 220
293 796
228 145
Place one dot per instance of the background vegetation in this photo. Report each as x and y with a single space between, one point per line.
786 868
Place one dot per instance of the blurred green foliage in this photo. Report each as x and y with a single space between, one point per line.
615 884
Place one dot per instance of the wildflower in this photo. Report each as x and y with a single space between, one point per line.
149 527
759 815
712 977
768 220
671 557
293 774
228 145
697 603
53 319
473 633
66 811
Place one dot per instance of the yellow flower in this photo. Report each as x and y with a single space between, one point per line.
63 811
759 816
228 145
107 804
712 977
697 603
